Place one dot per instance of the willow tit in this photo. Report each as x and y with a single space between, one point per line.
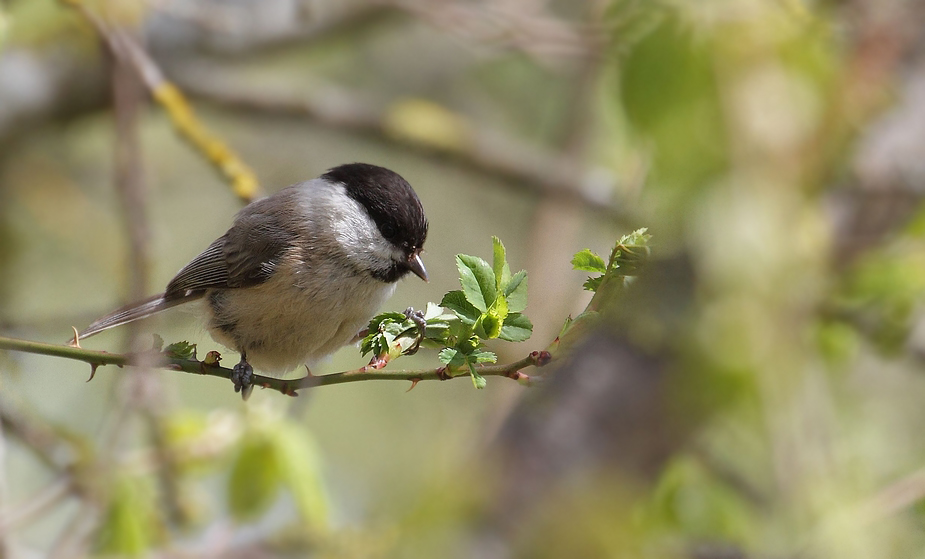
299 273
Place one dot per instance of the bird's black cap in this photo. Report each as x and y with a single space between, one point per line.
391 203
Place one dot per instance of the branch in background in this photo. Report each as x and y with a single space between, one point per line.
36 506
47 445
55 452
139 397
527 27
243 180
289 387
424 126
129 178
230 29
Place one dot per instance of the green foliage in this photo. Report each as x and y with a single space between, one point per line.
691 501
132 524
254 482
392 334
299 467
489 306
273 456
882 293
670 96
627 256
180 350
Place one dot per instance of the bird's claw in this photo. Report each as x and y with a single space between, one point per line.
242 376
418 318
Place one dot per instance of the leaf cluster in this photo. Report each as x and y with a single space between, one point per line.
489 306
626 258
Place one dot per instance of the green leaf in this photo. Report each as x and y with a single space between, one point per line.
300 471
516 328
452 357
131 526
515 291
478 380
639 237
591 284
181 350
482 356
255 477
385 317
383 329
589 262
456 301
499 263
478 281
631 252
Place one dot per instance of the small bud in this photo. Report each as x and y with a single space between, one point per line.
212 358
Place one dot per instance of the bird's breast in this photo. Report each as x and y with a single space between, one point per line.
301 314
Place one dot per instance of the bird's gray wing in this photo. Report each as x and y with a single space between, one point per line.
209 269
245 256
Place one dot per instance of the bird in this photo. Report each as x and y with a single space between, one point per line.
299 273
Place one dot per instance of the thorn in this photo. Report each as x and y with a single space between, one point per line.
93 368
76 341
414 382
442 374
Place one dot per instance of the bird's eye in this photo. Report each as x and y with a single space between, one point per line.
388 231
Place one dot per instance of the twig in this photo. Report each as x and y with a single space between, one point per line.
243 180
41 439
98 358
894 498
36 505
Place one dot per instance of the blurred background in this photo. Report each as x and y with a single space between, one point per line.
756 393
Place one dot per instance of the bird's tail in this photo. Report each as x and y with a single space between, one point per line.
133 312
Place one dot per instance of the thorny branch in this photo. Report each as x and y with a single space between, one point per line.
286 386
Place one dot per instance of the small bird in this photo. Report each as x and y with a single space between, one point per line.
299 273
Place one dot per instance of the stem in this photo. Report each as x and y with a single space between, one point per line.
289 387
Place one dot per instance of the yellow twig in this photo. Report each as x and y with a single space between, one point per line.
243 180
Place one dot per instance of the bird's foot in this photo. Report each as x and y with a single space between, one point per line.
243 377
417 317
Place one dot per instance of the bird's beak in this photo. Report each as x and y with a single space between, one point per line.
417 266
